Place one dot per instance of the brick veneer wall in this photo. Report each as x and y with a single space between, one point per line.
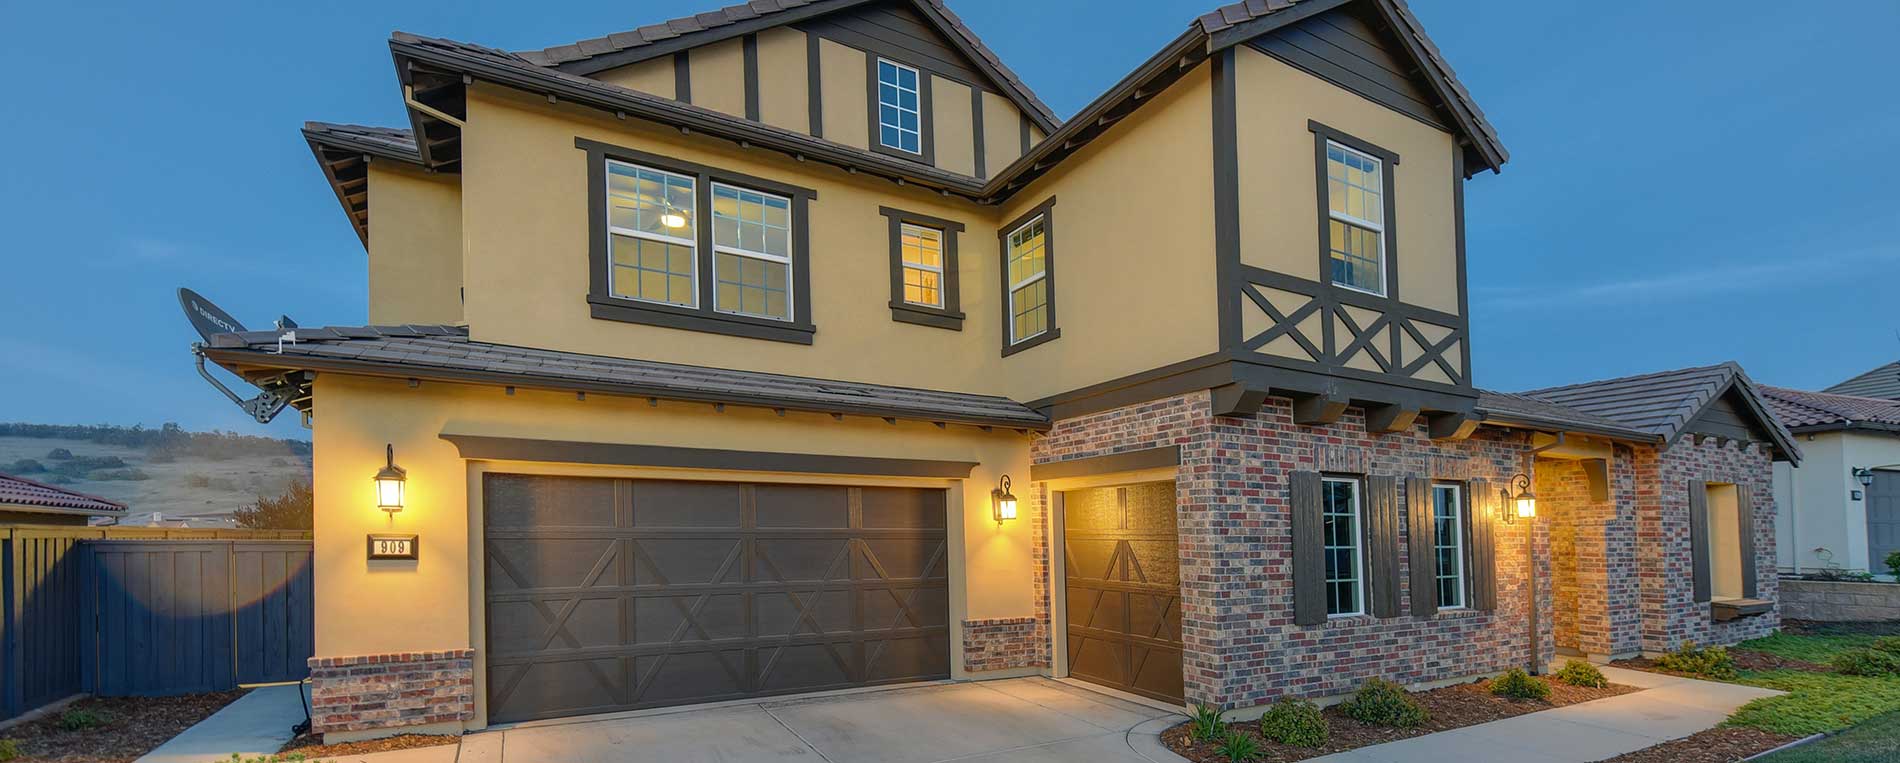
1593 556
391 691
1003 643
1670 615
1242 647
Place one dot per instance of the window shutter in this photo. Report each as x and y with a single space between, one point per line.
1421 537
1481 512
1699 539
1745 526
1382 545
1309 551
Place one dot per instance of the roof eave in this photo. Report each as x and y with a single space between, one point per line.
65 510
1517 421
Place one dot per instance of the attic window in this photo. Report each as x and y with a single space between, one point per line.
899 114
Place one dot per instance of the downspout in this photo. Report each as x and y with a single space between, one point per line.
1530 549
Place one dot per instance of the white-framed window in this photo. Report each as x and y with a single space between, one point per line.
1028 280
1448 544
651 232
1355 207
899 114
752 252
1345 563
922 250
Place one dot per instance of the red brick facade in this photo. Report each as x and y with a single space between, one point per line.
387 691
1004 643
1670 615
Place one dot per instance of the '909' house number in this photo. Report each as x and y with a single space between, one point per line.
392 547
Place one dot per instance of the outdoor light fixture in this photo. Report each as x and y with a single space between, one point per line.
389 483
1524 503
1865 475
1002 502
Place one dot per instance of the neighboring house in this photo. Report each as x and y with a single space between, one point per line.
798 346
23 501
1841 509
1882 382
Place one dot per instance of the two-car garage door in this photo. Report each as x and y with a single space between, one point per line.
617 594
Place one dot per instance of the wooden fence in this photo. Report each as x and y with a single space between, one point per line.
149 611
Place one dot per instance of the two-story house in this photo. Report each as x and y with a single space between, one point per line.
798 346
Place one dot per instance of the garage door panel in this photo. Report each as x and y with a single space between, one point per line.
903 508
902 558
665 503
801 559
905 607
804 612
1154 562
698 676
552 563
808 506
1150 507
660 619
1123 588
687 560
807 667
907 659
557 687
525 501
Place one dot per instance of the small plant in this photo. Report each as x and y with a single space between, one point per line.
1888 644
9 750
1711 662
26 466
1581 673
1517 684
80 720
1206 725
1867 662
1295 722
1383 703
1238 747
1893 565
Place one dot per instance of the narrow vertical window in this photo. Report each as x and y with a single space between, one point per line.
1448 547
899 115
1028 281
922 251
1355 205
752 252
651 232
1339 515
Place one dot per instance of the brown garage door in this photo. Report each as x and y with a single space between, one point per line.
613 594
1124 588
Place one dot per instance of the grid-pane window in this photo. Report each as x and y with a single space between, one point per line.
1028 280
899 120
922 249
650 230
1339 515
1449 545
1355 204
752 246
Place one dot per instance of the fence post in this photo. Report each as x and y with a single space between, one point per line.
14 667
88 603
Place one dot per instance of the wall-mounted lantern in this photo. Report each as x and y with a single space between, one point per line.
389 483
1002 502
1519 504
1864 475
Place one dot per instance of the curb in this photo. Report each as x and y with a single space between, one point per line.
1789 746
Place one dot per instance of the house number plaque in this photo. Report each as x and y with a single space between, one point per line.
392 547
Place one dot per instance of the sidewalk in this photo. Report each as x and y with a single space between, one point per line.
1667 708
258 723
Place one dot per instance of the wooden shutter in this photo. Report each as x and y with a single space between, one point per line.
1745 526
1309 551
1699 539
1481 518
1382 545
1421 537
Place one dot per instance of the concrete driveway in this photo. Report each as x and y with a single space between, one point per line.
1027 720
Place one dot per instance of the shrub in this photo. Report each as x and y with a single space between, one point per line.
1867 662
9 750
1888 644
80 720
1581 673
1712 662
1295 722
59 454
131 475
1517 684
1383 703
1239 748
26 466
1205 725
1893 565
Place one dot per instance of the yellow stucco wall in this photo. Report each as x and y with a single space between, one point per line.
842 92
415 247
951 120
1279 205
653 76
1002 133
784 83
717 76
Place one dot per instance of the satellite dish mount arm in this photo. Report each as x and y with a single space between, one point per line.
264 407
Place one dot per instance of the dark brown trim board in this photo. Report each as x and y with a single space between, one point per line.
615 454
814 87
1131 461
981 166
1226 199
604 305
926 113
1045 210
749 52
950 316
682 77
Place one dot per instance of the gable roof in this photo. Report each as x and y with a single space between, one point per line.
1804 411
1514 410
622 48
21 494
1666 403
1882 382
344 151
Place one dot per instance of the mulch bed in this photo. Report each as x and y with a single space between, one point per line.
1745 659
1451 707
1724 744
313 747
129 727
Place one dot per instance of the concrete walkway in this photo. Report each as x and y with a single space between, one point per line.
1668 708
258 723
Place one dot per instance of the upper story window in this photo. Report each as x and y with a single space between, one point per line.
925 288
1029 293
752 252
921 250
1339 518
651 233
1355 205
899 114
1448 544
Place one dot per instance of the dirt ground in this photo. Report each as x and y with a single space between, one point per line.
1724 744
313 747
205 490
121 728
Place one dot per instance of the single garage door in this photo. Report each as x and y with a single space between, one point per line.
1123 588
1883 518
615 594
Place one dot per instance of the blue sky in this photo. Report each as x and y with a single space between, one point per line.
1690 182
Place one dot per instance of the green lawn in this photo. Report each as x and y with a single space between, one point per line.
1816 648
1875 741
1815 702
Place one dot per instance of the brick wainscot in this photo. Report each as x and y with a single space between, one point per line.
385 691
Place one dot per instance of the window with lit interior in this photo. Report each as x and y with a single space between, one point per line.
1355 204
1448 544
752 253
922 250
1339 515
651 234
899 115
1028 280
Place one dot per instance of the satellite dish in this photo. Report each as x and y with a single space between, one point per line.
206 317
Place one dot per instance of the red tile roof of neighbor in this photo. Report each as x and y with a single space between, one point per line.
1800 409
24 494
